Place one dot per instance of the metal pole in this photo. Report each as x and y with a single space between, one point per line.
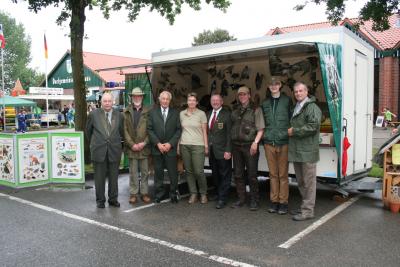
2 88
47 98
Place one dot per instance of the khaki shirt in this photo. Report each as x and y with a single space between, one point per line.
192 131
259 119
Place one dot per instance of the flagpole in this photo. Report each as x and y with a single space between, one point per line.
47 86
2 88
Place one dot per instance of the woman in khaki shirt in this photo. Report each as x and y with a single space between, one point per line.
194 147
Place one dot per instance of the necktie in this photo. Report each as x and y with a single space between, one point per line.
214 118
108 119
164 115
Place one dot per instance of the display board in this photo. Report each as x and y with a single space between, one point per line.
67 163
7 160
31 159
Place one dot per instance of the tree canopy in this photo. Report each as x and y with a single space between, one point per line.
378 11
17 55
212 37
74 11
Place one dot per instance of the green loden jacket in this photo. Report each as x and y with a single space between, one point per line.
304 144
139 135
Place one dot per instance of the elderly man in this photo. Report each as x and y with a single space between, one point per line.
304 148
137 146
247 130
164 129
219 142
277 109
105 132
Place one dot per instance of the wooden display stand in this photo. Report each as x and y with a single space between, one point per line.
391 179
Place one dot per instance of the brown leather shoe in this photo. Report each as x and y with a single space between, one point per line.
192 199
203 199
146 199
133 199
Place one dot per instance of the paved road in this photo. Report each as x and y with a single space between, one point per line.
68 230
56 226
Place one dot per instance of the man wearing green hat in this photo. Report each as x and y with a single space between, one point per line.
137 146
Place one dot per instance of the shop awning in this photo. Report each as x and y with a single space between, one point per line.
10 101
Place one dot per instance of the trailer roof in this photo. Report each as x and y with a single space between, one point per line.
299 41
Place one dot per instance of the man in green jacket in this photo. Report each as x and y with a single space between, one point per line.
137 146
246 133
304 148
277 110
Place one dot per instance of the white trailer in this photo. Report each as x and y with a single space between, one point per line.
335 63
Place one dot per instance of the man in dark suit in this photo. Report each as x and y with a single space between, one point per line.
219 142
105 131
164 129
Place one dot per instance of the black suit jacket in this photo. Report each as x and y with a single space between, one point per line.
219 137
160 133
103 143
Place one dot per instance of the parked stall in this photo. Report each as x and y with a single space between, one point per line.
336 64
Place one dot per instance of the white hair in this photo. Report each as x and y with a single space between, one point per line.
165 93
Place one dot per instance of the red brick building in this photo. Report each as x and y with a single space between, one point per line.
387 57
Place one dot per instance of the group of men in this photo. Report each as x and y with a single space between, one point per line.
289 134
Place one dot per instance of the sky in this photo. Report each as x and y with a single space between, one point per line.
150 33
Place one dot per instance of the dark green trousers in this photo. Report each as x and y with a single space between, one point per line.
162 162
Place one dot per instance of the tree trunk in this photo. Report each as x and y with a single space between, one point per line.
77 32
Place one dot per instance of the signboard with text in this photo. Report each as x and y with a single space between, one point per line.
46 90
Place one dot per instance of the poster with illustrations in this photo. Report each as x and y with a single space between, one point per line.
67 156
7 161
33 158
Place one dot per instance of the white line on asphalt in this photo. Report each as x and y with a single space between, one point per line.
152 204
318 223
132 234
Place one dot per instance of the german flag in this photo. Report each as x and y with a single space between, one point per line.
2 39
46 55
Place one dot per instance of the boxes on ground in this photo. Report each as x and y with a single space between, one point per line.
326 139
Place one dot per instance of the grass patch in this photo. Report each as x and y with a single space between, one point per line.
375 171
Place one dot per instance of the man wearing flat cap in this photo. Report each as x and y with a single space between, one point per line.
137 146
247 131
277 109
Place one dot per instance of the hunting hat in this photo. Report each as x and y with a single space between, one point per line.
136 91
244 90
275 80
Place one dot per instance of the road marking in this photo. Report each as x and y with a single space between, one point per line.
152 204
318 223
156 241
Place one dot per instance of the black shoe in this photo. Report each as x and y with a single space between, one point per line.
157 200
101 205
274 207
295 212
253 205
114 204
283 209
174 199
220 205
237 204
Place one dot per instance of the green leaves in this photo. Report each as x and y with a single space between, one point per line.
17 54
376 10
212 37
